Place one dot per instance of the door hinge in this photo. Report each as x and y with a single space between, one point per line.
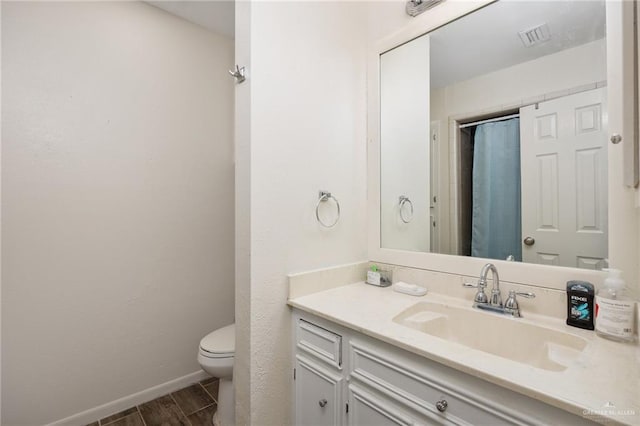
294 374
347 407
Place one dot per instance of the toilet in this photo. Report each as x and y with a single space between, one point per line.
216 354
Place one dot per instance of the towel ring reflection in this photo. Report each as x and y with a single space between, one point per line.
322 197
401 202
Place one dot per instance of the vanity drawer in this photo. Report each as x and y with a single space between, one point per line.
417 389
319 342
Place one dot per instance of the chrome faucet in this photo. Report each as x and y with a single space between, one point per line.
494 303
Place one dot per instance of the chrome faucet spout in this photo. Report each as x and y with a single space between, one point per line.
496 297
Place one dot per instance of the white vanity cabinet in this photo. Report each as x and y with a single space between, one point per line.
343 377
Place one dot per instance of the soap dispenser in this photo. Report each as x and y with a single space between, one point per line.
614 311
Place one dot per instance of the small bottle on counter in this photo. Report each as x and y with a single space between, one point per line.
580 304
614 311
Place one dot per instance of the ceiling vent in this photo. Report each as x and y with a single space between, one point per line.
535 35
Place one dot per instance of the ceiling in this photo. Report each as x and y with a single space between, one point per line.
217 16
484 41
488 40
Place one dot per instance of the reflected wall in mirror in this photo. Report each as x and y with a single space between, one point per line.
493 136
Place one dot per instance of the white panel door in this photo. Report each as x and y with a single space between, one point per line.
564 180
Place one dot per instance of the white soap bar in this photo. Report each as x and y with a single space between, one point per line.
412 289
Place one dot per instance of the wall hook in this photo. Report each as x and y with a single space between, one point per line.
238 74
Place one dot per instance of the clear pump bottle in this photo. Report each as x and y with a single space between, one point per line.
614 311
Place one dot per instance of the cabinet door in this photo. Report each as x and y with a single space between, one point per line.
318 395
366 409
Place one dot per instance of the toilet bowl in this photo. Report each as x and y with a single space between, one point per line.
216 354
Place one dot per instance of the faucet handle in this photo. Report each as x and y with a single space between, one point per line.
526 294
511 305
481 296
479 285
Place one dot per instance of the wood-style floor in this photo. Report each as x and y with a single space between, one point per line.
191 406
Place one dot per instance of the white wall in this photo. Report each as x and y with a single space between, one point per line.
560 71
404 128
387 17
242 136
118 206
307 83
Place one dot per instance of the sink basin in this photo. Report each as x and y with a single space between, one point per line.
495 334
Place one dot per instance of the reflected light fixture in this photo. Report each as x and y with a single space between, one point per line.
416 7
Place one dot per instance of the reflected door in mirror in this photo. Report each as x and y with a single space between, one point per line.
564 181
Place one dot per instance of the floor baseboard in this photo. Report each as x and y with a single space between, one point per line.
104 410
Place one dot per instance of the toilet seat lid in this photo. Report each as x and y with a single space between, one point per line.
220 341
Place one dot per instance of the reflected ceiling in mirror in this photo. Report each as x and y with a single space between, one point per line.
493 136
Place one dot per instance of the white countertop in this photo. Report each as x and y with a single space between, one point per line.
603 382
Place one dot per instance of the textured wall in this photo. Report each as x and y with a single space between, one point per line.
308 132
242 371
117 181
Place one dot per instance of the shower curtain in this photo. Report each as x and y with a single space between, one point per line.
496 224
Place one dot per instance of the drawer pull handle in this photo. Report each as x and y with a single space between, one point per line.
442 405
322 402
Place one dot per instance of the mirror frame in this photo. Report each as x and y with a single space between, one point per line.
622 159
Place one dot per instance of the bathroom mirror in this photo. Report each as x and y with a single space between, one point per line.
494 136
417 105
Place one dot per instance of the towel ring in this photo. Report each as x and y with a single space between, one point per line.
322 197
402 201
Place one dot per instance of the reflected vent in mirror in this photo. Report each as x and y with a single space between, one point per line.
535 35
